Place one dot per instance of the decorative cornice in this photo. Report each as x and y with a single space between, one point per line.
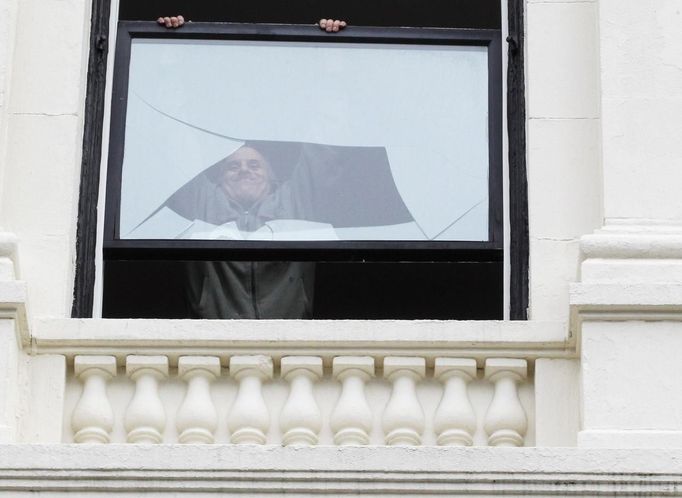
426 471
651 245
632 270
617 302
642 239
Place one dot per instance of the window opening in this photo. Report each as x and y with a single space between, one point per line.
389 257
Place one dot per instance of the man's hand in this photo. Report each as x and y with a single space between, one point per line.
331 25
171 22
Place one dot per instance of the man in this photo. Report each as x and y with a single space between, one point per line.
247 177
246 192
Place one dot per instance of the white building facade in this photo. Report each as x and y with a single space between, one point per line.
581 399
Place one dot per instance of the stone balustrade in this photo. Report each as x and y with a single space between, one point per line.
299 400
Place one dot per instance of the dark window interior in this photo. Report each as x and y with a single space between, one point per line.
343 290
473 14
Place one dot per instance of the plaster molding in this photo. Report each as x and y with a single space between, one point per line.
643 239
13 292
632 245
327 339
600 295
13 297
8 256
631 270
230 470
642 225
609 302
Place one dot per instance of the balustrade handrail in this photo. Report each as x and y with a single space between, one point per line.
324 338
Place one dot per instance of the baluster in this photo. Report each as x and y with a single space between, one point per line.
93 417
351 419
249 419
145 417
197 418
403 419
505 421
455 419
301 420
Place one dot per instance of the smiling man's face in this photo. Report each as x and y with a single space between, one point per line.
247 177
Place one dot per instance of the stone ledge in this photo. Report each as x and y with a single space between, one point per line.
634 238
626 296
327 339
632 245
614 302
380 471
623 302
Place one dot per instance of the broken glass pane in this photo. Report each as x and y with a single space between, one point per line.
247 140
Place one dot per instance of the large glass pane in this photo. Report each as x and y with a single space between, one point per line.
239 140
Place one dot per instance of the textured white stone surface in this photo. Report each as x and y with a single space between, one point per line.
8 26
563 145
40 140
10 388
630 376
641 82
562 52
42 419
557 402
379 471
564 178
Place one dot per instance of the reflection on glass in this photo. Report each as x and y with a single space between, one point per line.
302 141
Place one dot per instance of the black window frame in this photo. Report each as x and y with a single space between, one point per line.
334 251
491 250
